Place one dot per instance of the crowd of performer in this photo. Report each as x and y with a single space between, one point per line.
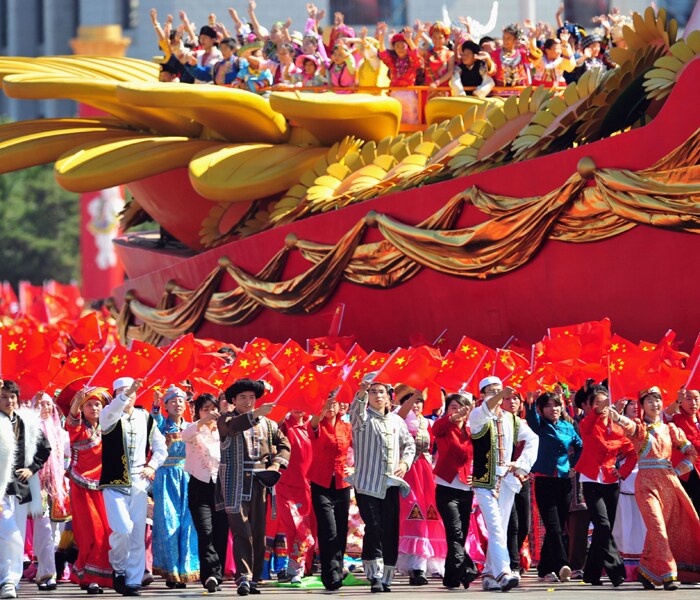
448 494
449 58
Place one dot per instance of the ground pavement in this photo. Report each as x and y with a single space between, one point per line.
529 588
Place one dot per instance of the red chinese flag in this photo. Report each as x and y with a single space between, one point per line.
356 353
290 357
508 361
246 366
68 295
453 372
178 361
88 332
262 345
629 373
668 353
329 342
558 348
24 351
9 304
309 389
670 380
395 368
78 363
594 337
31 301
120 362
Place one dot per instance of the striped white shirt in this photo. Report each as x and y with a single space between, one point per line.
380 442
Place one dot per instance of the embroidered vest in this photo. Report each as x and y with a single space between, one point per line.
115 468
485 445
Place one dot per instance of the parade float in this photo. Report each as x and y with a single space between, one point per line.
497 218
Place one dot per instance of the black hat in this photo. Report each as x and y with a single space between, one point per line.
245 385
268 478
209 31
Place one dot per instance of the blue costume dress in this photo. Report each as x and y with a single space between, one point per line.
174 536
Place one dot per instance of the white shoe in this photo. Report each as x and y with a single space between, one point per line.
8 590
565 574
490 584
296 579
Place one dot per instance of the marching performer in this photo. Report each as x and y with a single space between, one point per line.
132 449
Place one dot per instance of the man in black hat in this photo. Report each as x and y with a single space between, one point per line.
252 452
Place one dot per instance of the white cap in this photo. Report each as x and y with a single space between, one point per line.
489 381
122 382
369 377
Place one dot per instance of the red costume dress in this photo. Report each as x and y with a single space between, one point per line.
671 549
690 425
89 517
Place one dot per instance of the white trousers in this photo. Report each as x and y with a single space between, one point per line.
13 526
127 520
496 512
47 535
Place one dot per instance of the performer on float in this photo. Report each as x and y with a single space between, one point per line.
513 59
91 570
253 450
55 502
330 493
684 413
132 449
454 495
496 478
559 449
604 443
24 450
293 502
422 546
383 450
629 530
174 534
671 553
202 457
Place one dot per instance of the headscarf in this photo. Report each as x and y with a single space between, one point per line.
52 474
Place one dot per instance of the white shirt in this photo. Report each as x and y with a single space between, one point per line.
203 452
135 431
479 418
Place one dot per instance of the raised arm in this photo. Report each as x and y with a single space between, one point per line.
189 28
253 19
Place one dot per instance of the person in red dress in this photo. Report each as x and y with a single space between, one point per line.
92 569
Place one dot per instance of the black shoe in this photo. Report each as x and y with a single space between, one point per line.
147 580
386 588
334 585
211 584
646 584
119 582
672 585
377 585
618 581
180 586
170 585
243 589
595 582
254 590
94 588
417 577
132 591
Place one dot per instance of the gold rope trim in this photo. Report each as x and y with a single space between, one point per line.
666 195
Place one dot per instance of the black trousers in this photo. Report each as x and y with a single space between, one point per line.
601 500
519 524
381 517
331 507
552 495
692 488
455 508
211 526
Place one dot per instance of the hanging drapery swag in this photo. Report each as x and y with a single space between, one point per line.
591 205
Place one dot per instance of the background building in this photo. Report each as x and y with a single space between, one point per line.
45 27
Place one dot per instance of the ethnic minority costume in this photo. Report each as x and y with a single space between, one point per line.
175 554
380 442
90 528
22 445
629 530
690 425
56 505
422 545
494 436
248 445
671 551
127 442
512 68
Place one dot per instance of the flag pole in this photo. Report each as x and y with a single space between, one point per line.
102 364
